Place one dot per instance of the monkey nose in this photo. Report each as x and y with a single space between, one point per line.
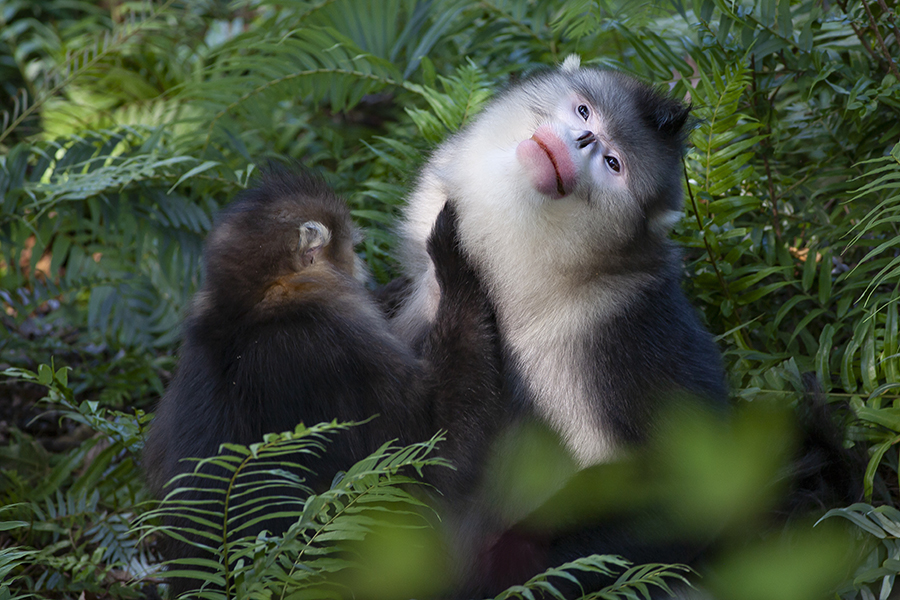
585 139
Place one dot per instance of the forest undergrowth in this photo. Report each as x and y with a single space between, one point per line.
125 126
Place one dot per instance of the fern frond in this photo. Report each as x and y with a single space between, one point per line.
399 31
722 142
634 583
717 169
77 65
465 93
84 536
523 20
311 63
115 231
12 558
18 114
882 182
260 482
879 568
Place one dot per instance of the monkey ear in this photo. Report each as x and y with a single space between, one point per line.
669 116
571 63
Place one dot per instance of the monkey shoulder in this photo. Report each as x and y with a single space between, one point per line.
659 344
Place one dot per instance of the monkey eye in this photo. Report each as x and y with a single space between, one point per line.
613 163
584 111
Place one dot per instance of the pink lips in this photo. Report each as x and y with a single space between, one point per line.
549 162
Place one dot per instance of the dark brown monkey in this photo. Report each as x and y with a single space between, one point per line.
284 331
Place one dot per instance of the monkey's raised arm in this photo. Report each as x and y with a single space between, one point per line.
462 350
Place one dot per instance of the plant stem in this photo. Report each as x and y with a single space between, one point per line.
858 32
711 255
765 155
890 17
873 25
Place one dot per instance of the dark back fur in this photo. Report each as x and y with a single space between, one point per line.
253 363
271 342
656 352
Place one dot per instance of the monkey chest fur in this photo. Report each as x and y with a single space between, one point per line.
565 374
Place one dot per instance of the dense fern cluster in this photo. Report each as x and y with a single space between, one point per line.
126 126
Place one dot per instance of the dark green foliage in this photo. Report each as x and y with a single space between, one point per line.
67 515
126 126
371 513
308 557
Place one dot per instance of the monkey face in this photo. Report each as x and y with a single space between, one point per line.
587 156
572 147
604 137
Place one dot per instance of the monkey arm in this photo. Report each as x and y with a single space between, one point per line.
462 350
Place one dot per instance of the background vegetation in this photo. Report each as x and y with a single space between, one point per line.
128 124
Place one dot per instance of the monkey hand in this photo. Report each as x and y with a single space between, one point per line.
453 271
